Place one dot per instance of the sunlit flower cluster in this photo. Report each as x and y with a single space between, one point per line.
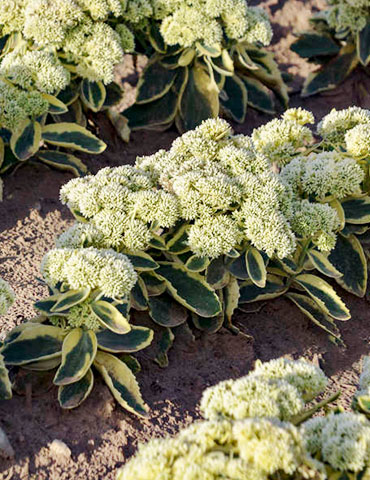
341 440
282 138
334 126
324 174
17 105
110 272
7 296
210 22
251 449
63 35
348 14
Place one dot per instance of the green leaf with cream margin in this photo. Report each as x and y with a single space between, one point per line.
70 135
121 382
78 353
189 289
72 395
324 295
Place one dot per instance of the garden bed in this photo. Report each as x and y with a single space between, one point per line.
99 434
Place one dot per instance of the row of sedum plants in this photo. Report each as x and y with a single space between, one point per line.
57 61
190 234
338 42
259 427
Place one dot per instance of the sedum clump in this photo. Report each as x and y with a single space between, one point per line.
337 42
206 53
241 438
57 62
219 220
81 326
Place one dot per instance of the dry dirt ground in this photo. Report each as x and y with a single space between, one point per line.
99 435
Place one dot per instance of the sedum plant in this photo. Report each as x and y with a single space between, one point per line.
338 42
242 438
83 324
57 61
220 220
205 57
7 298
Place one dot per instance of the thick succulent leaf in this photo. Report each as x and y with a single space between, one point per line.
142 261
363 44
73 115
209 325
78 353
153 284
93 94
70 135
200 98
25 141
156 38
136 339
110 317
249 292
217 274
44 365
222 65
164 345
161 112
259 96
268 73
323 264
336 204
231 298
120 124
5 385
165 311
69 299
113 96
190 289
310 308
357 210
139 296
62 161
186 57
348 258
132 363
235 98
72 395
314 44
155 81
157 242
56 106
324 295
40 342
178 242
9 160
256 267
121 382
197 264
238 267
352 229
47 304
69 94
331 73
209 50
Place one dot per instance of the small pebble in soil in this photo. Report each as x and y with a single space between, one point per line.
59 450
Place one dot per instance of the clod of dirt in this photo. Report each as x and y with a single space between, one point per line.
59 450
6 450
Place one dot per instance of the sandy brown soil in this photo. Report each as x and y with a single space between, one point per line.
99 435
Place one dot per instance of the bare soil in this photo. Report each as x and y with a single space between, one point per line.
99 435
